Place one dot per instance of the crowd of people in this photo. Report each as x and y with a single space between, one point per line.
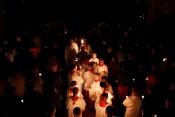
102 74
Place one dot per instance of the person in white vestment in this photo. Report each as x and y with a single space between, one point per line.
69 90
101 68
75 101
100 106
88 77
103 89
94 59
76 75
133 104
94 87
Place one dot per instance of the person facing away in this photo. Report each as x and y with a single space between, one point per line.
75 101
133 104
100 106
109 111
77 112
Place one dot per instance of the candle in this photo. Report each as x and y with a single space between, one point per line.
146 78
22 101
40 74
164 59
82 41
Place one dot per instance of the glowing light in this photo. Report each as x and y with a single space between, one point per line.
143 96
40 74
126 96
164 59
133 79
22 101
155 116
82 41
147 78
116 81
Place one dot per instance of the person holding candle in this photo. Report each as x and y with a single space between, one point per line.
133 104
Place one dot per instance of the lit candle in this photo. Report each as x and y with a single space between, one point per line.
143 96
164 59
22 101
146 78
40 74
82 41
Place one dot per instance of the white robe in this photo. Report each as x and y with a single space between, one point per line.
102 70
109 99
88 79
133 106
100 111
95 60
70 106
78 79
92 91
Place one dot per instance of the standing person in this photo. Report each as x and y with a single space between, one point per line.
70 52
133 104
100 106
101 68
75 101
94 59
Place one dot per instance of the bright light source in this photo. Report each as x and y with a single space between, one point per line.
40 74
143 96
147 78
155 116
126 96
82 41
133 79
76 59
164 59
22 101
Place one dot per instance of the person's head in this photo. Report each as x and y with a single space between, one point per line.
76 112
96 77
101 62
109 111
103 85
90 67
103 97
94 55
75 91
73 84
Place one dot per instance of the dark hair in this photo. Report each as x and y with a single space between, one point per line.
73 83
104 95
109 111
77 111
103 85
